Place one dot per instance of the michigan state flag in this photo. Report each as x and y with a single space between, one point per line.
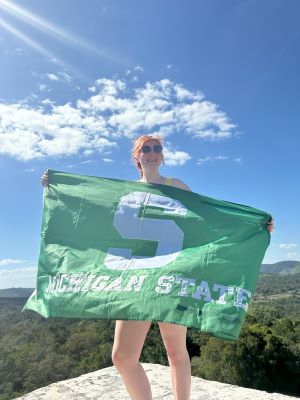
115 249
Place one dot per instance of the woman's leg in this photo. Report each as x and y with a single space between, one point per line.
174 338
128 343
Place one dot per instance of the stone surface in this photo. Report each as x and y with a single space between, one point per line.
107 384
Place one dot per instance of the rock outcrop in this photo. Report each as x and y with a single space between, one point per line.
107 384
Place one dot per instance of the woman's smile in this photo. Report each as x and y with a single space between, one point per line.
152 160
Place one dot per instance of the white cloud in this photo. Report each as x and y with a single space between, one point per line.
43 87
158 117
107 160
183 94
110 86
203 119
111 111
61 77
288 245
88 153
87 162
176 157
139 68
129 120
52 77
10 261
21 277
294 256
32 133
172 67
238 160
211 158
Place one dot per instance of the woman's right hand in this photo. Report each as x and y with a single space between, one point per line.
44 179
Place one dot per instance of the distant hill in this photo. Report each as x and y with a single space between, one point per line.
16 292
282 268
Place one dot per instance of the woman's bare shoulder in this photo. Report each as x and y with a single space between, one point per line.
181 185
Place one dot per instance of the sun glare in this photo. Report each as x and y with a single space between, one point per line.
53 30
26 39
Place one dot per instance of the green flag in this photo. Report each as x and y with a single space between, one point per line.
114 249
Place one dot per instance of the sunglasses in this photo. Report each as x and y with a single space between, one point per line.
157 148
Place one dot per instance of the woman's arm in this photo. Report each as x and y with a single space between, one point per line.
271 225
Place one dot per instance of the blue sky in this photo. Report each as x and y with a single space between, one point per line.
80 80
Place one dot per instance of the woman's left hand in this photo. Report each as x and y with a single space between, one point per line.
271 225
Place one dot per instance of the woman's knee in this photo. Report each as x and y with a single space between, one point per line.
174 338
123 359
177 356
128 343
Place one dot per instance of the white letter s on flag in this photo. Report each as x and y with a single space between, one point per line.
165 231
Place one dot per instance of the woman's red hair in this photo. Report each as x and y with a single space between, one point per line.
138 144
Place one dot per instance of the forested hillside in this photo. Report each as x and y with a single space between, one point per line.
35 352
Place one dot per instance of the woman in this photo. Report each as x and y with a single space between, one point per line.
130 335
147 153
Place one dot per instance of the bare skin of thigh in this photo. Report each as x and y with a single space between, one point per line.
128 343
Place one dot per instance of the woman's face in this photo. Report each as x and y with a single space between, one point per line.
150 159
